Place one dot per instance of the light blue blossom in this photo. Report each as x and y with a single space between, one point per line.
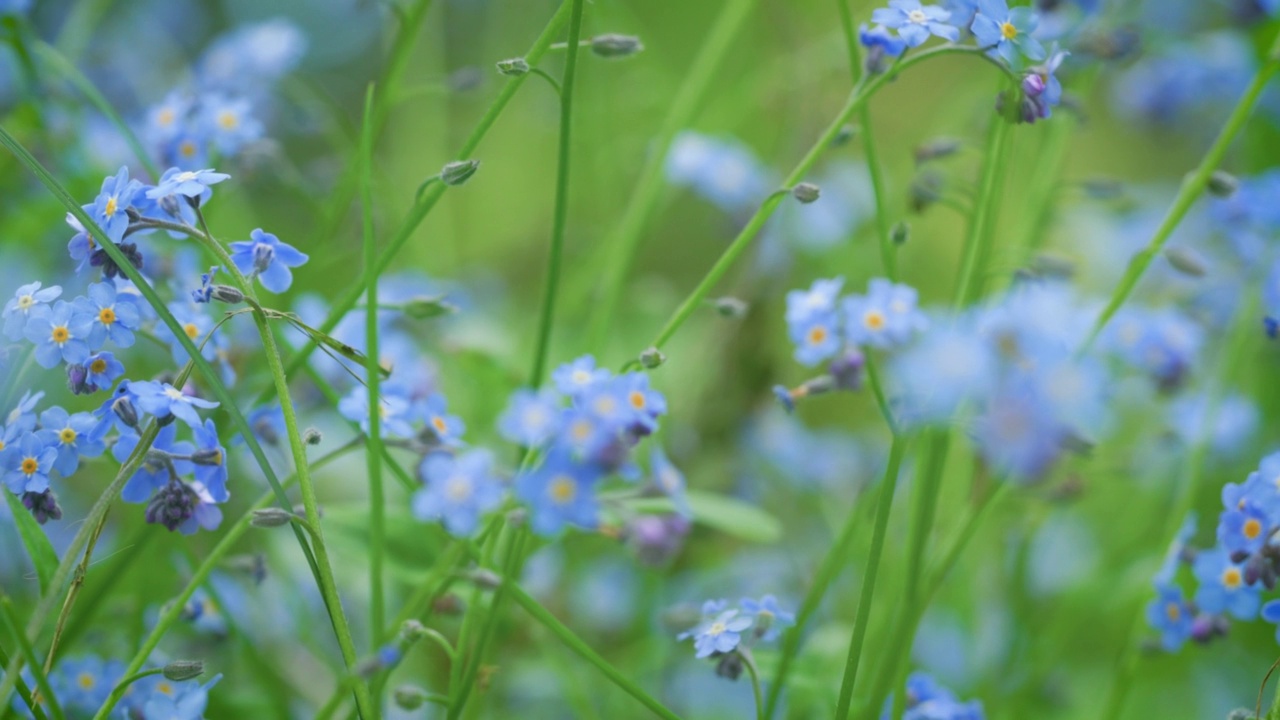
915 22
433 410
18 309
394 411
458 490
718 634
263 256
885 317
71 436
103 369
576 377
1007 33
1222 586
229 122
60 334
163 400
27 464
559 492
531 418
767 617
110 209
188 183
210 460
113 316
669 481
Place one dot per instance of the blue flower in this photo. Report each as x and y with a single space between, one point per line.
1170 614
23 416
819 299
188 149
1176 554
155 471
1244 529
718 634
103 369
263 256
268 426
669 481
166 118
531 418
109 209
1041 87
1018 433
188 183
948 366
229 122
767 617
915 22
816 337
204 293
447 428
210 460
18 309
575 378
559 492
458 490
163 400
1007 33
195 325
644 404
189 704
725 172
393 411
27 464
71 436
1271 613
1222 586
113 317
586 433
880 40
885 317
84 683
59 333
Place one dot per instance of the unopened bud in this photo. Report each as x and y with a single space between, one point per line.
844 135
459 171
409 697
78 380
424 308
487 579
806 192
730 666
209 457
1223 184
731 307
652 358
513 67
312 436
180 670
1186 261
271 517
900 233
936 149
616 46
124 409
412 630
226 294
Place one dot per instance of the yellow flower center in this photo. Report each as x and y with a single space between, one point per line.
166 117
817 335
562 489
112 207
637 399
107 316
1252 528
1231 578
1173 612
1008 31
438 423
873 319
191 330
716 629
581 430
98 366
67 436
30 466
86 681
164 688
60 334
228 120
187 149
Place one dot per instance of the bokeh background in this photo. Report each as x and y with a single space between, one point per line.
1030 621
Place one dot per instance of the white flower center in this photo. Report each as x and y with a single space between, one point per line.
918 17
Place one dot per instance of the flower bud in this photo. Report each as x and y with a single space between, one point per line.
447 604
731 307
1223 184
1186 261
43 506
844 135
900 233
925 190
730 666
459 171
312 436
78 380
616 46
412 630
806 192
180 670
513 67
124 409
484 578
226 294
936 149
409 697
1033 85
209 457
271 517
652 358
846 369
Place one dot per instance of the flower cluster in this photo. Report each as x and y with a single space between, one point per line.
726 630
1229 577
928 700
83 683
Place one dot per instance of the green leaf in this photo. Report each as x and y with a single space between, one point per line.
39 549
728 515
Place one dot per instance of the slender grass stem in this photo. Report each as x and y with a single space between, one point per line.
867 594
24 694
373 380
624 241
979 236
423 206
44 691
561 213
1190 191
888 251
749 663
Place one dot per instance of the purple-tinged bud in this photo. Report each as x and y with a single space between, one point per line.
43 506
1033 84
78 380
846 369
1202 629
172 505
1240 556
656 539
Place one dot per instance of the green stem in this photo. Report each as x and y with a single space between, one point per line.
560 218
749 663
1191 189
28 653
373 380
979 237
422 207
888 252
122 687
865 89
575 643
867 593
511 559
623 243
24 694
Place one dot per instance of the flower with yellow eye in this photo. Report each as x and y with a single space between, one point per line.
560 492
72 437
26 464
110 209
19 307
1224 587
111 316
60 334
458 490
1006 33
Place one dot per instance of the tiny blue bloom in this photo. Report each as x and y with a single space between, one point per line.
1006 33
27 464
263 256
769 619
1222 586
915 22
575 378
447 428
531 418
458 490
71 436
879 39
188 183
559 492
112 317
1170 614
18 309
393 411
885 317
210 460
669 481
154 473
719 634
163 400
109 209
60 334
103 369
